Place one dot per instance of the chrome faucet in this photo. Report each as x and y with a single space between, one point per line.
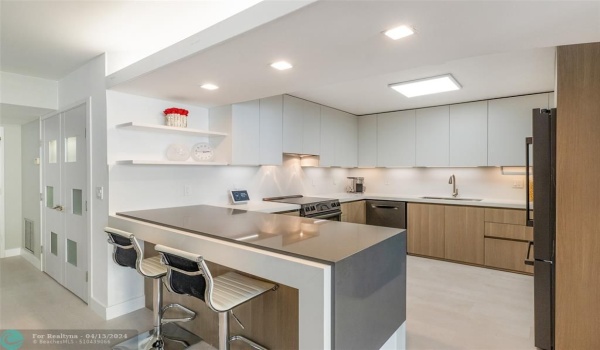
452 181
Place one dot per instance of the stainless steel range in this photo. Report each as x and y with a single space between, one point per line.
311 207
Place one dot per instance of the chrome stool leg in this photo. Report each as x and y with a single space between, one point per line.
223 330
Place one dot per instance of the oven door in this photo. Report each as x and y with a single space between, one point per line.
332 216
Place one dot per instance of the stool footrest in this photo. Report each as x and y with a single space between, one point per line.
247 341
191 314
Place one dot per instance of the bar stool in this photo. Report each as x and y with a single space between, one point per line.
187 273
128 253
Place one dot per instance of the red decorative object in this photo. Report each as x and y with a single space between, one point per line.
174 110
176 117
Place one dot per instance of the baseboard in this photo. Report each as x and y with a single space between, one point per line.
33 260
12 252
117 310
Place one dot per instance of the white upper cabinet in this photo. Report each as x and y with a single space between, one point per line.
347 147
245 133
329 136
311 140
468 134
271 121
301 126
367 141
293 110
433 136
338 138
396 139
509 123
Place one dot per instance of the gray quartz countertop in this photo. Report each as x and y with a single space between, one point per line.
318 240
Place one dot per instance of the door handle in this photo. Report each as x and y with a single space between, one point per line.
384 207
58 208
529 261
528 219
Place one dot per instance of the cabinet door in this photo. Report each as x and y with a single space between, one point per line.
464 234
367 141
468 134
426 229
330 133
292 124
509 123
354 212
311 135
347 147
271 120
507 254
433 136
396 139
245 133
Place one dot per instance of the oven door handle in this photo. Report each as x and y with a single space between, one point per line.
326 216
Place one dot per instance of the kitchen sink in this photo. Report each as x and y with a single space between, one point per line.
454 199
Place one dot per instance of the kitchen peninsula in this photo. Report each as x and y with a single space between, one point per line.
350 278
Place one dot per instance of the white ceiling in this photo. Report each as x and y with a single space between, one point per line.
494 48
49 39
341 59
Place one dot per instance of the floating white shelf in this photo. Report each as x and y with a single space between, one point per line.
167 162
170 129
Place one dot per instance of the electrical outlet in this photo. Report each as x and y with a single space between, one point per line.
517 184
186 190
100 192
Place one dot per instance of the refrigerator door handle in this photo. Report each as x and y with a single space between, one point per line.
529 220
529 261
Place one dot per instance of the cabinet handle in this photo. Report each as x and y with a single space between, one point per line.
529 261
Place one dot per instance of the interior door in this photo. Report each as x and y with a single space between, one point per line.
74 186
65 216
52 208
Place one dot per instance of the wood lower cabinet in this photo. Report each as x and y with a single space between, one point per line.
426 229
507 239
464 231
490 237
507 254
354 212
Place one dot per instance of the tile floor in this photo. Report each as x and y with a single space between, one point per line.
449 306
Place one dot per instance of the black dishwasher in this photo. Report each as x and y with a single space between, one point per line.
386 213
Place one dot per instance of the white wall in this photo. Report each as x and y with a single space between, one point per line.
486 182
89 81
24 90
12 187
30 150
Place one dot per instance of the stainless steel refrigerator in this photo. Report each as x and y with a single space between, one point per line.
543 220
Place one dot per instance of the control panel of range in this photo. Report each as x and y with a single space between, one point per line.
319 207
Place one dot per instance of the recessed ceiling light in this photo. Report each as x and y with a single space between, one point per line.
281 65
209 86
427 86
399 32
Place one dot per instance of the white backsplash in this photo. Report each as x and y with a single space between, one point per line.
485 182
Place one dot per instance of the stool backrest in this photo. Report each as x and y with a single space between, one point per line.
188 274
127 251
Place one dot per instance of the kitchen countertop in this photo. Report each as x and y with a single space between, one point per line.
493 203
275 207
318 240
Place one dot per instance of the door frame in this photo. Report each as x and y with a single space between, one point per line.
88 126
2 190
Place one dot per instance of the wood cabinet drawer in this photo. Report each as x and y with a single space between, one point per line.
507 254
505 216
509 231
